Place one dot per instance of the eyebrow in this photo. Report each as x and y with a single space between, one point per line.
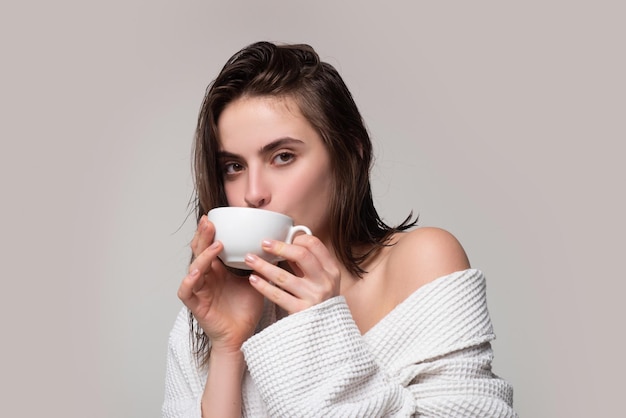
266 149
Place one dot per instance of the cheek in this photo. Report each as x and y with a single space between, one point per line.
311 185
313 198
234 194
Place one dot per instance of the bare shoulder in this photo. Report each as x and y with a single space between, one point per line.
421 256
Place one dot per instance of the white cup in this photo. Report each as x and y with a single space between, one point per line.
242 230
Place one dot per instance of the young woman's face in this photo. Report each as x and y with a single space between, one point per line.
272 158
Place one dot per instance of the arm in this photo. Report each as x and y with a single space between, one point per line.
193 392
314 364
430 357
227 309
222 393
424 359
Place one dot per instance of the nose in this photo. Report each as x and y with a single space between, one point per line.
257 191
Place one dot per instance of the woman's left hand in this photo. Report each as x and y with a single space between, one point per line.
315 276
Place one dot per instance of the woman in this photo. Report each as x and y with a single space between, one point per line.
362 319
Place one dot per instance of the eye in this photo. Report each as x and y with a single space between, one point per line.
284 158
232 168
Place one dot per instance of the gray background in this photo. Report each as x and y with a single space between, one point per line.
499 121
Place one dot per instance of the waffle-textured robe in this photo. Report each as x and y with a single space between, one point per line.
429 357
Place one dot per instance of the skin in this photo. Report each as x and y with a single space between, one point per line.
273 159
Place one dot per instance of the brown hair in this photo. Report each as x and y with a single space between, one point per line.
295 71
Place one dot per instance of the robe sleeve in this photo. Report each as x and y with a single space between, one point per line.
430 357
184 383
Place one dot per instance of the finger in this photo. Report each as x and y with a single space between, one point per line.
288 291
195 279
275 274
303 253
203 261
194 240
280 297
315 263
186 288
203 237
318 249
199 282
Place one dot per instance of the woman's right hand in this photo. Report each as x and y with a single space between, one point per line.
226 306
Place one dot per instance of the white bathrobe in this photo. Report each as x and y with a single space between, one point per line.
429 357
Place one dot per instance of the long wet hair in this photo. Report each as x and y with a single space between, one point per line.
295 71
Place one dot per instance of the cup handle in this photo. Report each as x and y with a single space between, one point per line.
294 229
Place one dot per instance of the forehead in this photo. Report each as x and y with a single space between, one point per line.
253 120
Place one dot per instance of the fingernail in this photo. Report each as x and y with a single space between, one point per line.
266 243
194 273
214 245
250 258
254 279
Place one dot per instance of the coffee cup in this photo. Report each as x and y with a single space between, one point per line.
242 230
